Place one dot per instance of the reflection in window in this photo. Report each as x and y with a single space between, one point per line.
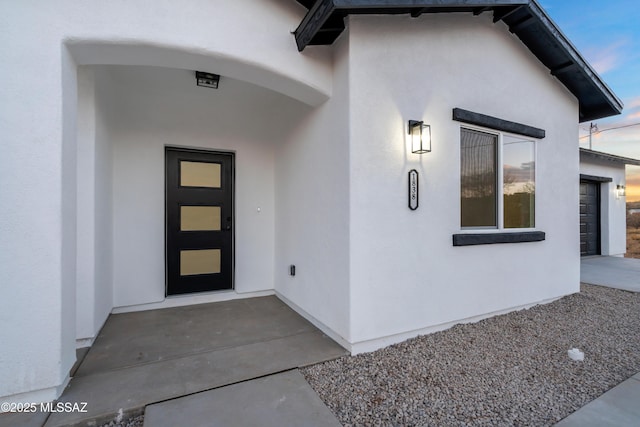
483 156
518 182
478 158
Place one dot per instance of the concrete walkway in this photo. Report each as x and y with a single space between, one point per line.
618 407
144 358
279 400
613 272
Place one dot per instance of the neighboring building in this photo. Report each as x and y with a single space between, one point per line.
603 205
300 158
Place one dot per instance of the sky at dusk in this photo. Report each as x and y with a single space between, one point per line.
607 34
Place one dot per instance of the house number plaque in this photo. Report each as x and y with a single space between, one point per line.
413 189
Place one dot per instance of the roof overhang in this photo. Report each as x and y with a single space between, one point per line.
598 155
324 22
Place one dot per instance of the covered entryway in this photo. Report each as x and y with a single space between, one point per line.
129 118
589 218
177 189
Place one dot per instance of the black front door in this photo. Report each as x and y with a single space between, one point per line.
199 221
589 218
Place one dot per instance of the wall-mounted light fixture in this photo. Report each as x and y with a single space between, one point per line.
420 135
621 191
207 79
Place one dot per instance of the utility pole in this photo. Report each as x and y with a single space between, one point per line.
593 128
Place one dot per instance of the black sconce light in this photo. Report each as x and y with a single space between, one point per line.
621 191
420 135
207 79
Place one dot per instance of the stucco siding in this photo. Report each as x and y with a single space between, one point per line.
31 226
405 273
312 199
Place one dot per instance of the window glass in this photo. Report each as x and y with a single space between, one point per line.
485 159
518 171
478 159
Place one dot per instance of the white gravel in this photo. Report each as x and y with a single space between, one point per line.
508 370
137 421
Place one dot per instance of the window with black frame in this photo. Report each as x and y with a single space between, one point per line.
497 176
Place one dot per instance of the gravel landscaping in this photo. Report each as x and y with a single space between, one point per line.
508 370
130 422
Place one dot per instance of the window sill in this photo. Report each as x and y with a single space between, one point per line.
469 239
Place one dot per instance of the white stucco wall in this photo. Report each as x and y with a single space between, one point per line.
31 224
85 271
613 214
406 277
312 199
103 202
94 289
45 43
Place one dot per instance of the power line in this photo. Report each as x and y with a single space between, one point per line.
614 128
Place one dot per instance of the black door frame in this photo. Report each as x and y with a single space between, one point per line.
194 152
597 182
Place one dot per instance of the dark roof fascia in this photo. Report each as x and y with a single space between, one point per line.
599 155
314 29
595 178
323 23
576 73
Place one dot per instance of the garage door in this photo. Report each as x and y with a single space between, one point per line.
589 218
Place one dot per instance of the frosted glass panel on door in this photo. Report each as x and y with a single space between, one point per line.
200 218
199 174
200 261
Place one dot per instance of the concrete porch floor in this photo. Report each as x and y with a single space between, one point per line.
153 356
